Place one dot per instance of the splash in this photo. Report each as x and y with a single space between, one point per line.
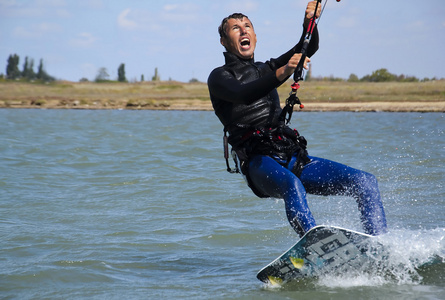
406 256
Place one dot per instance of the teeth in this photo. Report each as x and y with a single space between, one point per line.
245 42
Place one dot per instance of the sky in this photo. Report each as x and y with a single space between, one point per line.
75 38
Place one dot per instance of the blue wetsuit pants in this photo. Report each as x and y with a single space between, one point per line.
320 177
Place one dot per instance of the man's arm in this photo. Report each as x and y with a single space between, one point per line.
223 85
285 65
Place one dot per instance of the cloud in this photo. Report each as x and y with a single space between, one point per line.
14 9
53 3
184 8
22 32
172 20
55 7
125 23
7 3
37 8
180 13
62 13
91 4
245 6
46 27
170 7
347 22
417 25
83 40
36 30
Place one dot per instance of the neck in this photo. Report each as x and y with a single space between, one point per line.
231 56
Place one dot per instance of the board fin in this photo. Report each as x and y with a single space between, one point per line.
275 280
298 263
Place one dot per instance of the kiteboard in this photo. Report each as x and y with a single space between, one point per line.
322 250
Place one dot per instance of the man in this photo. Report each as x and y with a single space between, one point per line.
272 156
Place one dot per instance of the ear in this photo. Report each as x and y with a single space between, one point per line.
223 42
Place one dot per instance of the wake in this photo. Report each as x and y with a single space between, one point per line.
409 258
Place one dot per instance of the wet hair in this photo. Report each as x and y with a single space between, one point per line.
222 28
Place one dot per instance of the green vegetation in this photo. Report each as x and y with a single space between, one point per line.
156 76
121 73
27 74
362 92
102 75
381 90
316 95
383 75
380 75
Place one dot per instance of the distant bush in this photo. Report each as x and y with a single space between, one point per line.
380 75
383 75
102 75
353 78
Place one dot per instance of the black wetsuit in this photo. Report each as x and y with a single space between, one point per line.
243 92
245 99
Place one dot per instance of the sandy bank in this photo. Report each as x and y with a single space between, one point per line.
316 96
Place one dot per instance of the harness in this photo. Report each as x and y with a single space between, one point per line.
280 143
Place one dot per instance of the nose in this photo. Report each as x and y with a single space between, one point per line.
243 30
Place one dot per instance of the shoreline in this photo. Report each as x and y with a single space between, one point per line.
429 107
171 95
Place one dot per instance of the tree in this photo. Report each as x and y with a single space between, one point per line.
25 67
41 73
380 75
31 74
12 69
121 73
353 78
403 78
102 75
142 78
28 69
156 77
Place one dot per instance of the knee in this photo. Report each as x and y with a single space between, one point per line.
365 181
292 183
365 186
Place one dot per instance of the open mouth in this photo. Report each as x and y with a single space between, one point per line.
245 43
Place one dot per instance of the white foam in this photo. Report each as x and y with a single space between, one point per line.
406 251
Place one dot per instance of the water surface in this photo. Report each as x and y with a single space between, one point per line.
137 205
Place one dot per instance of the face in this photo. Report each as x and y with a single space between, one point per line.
241 38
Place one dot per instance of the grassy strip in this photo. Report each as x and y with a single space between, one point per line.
323 95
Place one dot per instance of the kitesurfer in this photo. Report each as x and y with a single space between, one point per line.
272 156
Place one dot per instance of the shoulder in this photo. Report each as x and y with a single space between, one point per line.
216 71
218 74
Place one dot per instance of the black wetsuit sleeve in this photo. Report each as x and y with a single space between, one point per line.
225 86
312 48
313 45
